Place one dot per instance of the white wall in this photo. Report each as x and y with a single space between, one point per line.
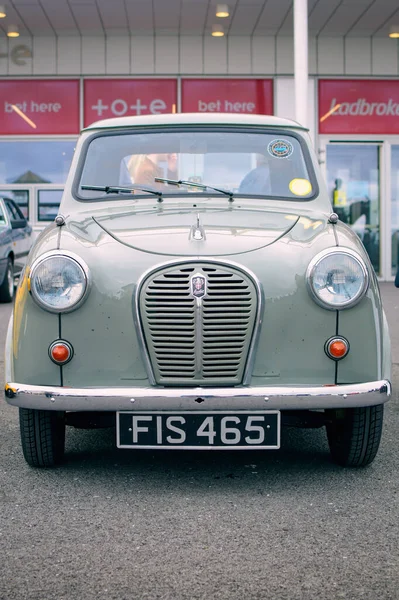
284 105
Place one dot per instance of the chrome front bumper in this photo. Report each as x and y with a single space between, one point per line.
179 399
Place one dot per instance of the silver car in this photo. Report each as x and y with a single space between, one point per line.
15 242
198 292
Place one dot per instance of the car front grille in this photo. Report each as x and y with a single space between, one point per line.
194 341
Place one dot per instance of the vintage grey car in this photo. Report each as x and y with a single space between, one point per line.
196 291
15 242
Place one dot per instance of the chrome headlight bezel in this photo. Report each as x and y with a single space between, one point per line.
70 256
315 262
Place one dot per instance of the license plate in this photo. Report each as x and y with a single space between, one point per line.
195 430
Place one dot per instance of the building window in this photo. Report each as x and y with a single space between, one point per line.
48 204
32 161
20 197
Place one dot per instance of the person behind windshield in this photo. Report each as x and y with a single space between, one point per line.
148 168
257 181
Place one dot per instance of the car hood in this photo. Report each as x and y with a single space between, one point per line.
199 232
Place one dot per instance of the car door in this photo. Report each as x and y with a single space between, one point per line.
5 239
20 234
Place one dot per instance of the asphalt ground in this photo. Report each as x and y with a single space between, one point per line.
146 525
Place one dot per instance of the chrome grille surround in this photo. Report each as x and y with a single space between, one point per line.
199 342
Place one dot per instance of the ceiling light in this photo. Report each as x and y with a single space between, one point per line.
394 31
222 10
2 11
217 31
13 31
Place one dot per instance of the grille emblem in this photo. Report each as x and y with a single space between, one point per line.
198 286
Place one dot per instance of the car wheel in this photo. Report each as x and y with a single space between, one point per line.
42 436
7 287
354 434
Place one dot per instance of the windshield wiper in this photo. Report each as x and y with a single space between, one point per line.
180 182
115 189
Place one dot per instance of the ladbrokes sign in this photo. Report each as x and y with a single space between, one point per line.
359 106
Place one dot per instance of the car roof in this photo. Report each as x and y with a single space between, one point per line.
196 119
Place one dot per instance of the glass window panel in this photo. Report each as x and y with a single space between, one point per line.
35 162
2 217
11 211
239 161
395 207
48 204
17 211
353 185
20 197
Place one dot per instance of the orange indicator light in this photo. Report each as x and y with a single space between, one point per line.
60 352
337 348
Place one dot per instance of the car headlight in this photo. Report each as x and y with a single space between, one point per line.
337 279
59 281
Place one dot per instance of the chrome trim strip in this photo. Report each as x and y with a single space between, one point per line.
198 338
258 318
140 335
178 399
253 348
22 254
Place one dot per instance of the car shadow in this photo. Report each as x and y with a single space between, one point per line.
302 450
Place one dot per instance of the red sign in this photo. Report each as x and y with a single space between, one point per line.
106 98
359 106
39 106
250 96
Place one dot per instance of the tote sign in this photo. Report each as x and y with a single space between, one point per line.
108 98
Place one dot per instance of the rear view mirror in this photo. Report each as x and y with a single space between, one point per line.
18 223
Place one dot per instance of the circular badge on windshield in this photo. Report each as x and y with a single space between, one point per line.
280 148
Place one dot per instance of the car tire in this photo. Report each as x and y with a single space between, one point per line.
354 434
42 436
7 287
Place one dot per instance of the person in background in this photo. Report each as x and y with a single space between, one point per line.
257 181
339 200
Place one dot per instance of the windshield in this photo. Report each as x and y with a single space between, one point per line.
243 163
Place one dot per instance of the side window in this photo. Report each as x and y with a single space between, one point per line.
33 161
48 204
2 217
17 210
19 197
11 211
